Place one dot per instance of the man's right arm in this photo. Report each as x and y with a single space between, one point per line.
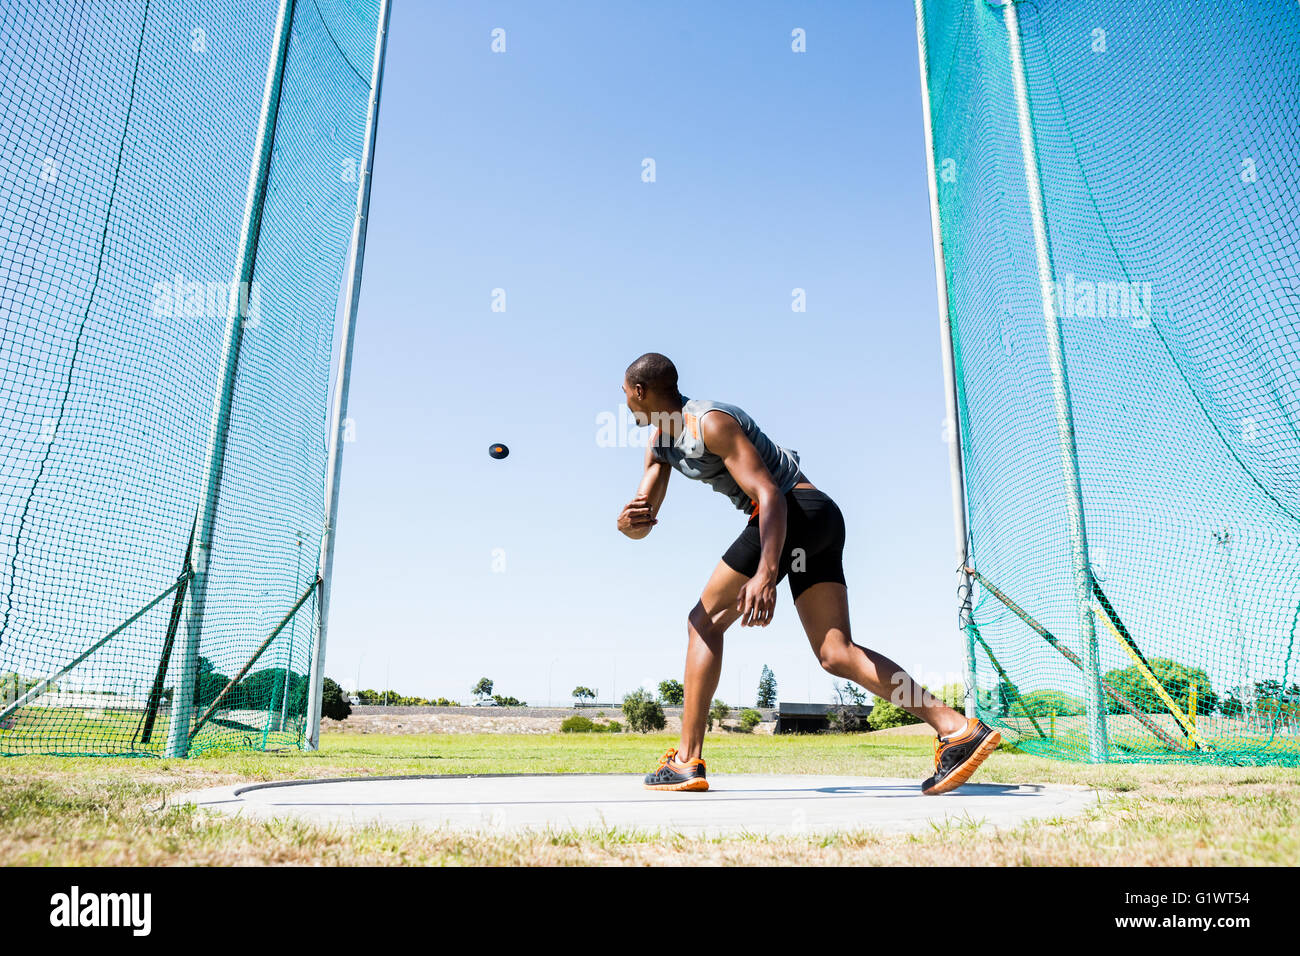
640 514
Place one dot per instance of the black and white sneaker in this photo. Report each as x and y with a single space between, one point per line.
672 775
958 755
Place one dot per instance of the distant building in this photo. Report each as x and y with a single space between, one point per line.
794 718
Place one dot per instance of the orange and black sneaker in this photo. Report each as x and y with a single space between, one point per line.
958 755
672 775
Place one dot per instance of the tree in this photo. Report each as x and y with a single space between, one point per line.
503 701
954 695
672 692
1175 677
483 688
1267 698
208 683
332 702
718 711
1005 699
749 719
766 689
1044 703
843 714
270 687
581 693
643 712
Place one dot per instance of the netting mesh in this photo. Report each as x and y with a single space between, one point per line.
1167 146
128 136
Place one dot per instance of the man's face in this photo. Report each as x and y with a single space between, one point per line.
636 403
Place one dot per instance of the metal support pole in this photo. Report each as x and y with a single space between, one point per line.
277 714
334 467
289 646
178 730
1245 682
956 474
1098 746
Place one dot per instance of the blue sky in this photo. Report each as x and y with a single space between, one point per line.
522 171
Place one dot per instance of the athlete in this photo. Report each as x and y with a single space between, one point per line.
794 530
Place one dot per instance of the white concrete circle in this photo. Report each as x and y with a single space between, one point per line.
734 804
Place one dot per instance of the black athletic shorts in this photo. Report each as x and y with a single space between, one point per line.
814 542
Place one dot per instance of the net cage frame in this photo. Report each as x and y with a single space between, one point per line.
181 705
1150 711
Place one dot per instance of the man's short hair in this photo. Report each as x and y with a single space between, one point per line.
656 372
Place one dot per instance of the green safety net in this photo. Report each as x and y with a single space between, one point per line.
1167 135
128 139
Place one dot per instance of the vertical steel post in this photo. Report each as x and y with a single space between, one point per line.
343 381
1098 746
293 638
1223 543
955 470
178 730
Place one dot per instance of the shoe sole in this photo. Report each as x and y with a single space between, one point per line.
696 784
964 772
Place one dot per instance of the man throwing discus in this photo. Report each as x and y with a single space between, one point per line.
794 531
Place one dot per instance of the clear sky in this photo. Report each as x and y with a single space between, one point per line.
522 171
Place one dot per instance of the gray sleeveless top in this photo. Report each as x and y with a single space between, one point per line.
689 456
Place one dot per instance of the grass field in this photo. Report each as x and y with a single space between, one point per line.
115 811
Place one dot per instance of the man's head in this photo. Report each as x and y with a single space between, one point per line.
650 386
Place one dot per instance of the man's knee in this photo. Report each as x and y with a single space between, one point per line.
699 622
835 659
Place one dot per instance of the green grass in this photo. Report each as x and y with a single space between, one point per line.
77 730
68 810
1231 741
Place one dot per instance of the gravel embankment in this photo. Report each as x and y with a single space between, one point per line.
482 720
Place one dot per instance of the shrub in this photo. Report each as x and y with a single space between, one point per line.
577 724
332 702
643 712
885 714
749 719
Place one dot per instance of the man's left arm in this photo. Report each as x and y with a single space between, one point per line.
724 437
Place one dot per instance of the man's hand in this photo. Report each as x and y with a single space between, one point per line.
637 518
757 600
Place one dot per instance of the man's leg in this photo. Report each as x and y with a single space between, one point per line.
824 611
708 621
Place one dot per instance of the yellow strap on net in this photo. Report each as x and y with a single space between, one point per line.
1151 678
